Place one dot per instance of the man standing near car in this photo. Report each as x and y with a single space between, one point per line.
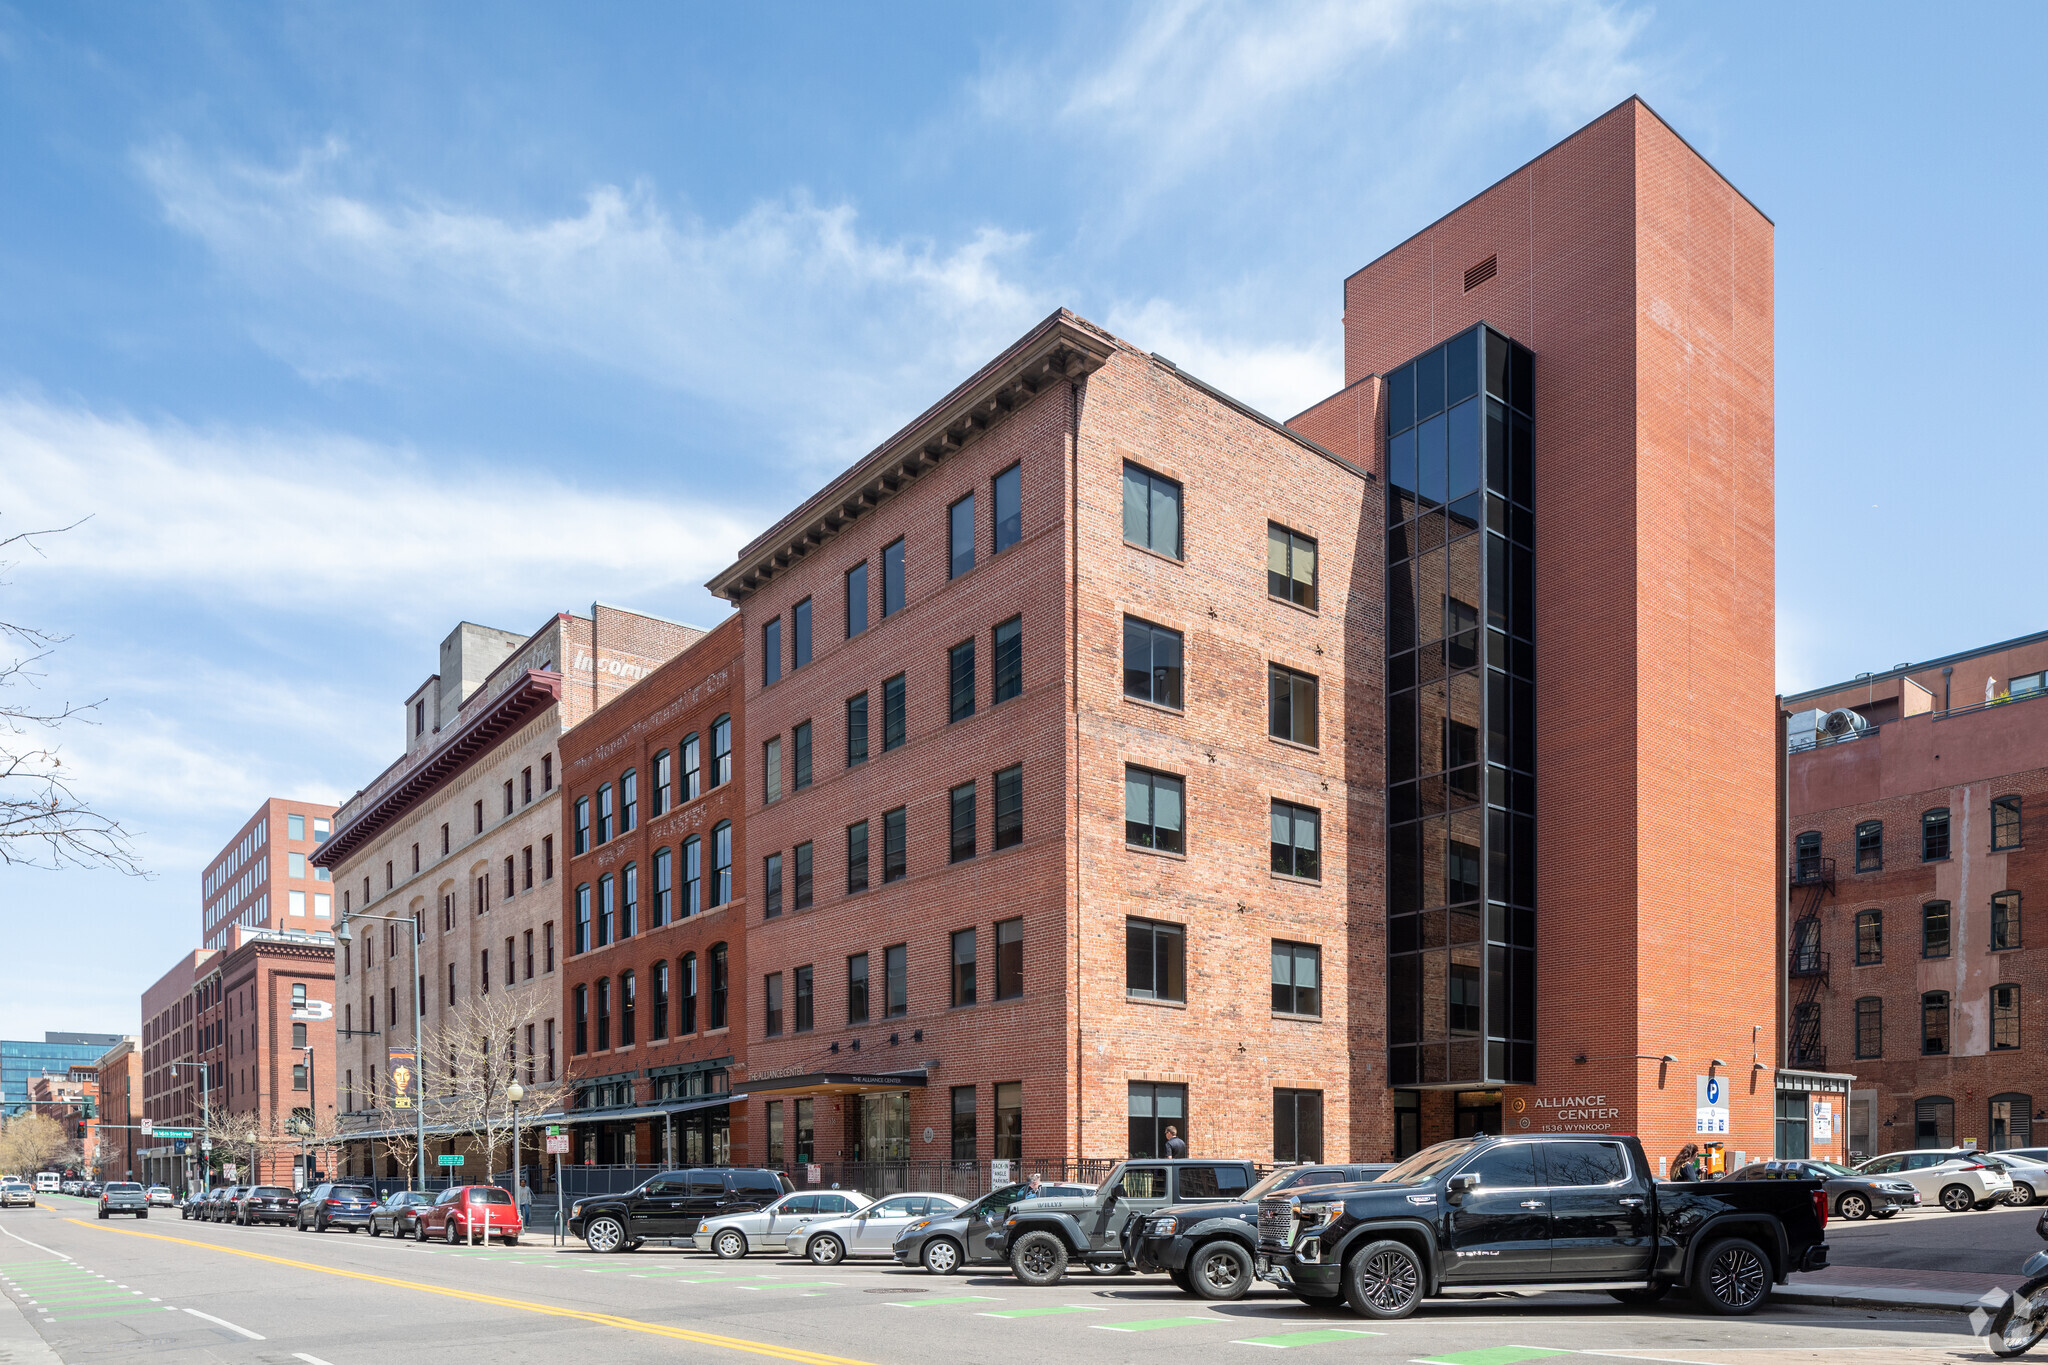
1175 1148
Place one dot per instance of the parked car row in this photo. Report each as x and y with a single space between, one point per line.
463 1213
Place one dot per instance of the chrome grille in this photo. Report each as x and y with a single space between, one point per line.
1276 1222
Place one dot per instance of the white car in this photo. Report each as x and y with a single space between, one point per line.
769 1229
872 1231
2029 1175
1954 1177
160 1196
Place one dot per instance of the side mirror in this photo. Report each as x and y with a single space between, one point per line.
1458 1185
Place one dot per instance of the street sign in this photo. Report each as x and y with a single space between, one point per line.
554 1130
450 1160
1710 1112
170 1132
148 1127
558 1145
313 1009
178 1147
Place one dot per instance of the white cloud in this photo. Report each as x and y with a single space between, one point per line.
1278 378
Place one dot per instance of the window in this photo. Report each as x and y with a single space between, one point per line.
294 864
607 909
1297 1125
1870 1027
690 784
895 981
771 771
963 1123
771 652
295 902
547 946
298 1035
527 940
604 1014
721 863
629 801
961 804
1152 810
856 600
295 826
803 876
1009 959
771 886
664 887
721 751
800 755
1934 1122
511 882
547 857
478 810
686 1003
1290 566
2005 823
2005 921
657 1027
804 999
604 813
1869 937
1008 681
1934 937
857 989
1151 511
1010 1120
771 997
856 857
629 900
892 578
1152 663
1870 846
628 1000
582 841
892 714
1296 840
1154 1109
960 676
896 854
1297 979
1290 705
547 772
1806 856
1010 806
962 975
2005 1018
1934 836
1009 499
800 635
1934 1024
508 796
1155 960
718 986
419 717
663 797
582 940
960 537
856 729
693 878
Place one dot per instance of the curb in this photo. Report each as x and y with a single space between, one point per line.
1856 1296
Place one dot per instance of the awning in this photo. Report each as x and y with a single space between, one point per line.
837 1083
1816 1082
649 1111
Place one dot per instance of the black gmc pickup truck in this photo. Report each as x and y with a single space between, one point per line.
1565 1212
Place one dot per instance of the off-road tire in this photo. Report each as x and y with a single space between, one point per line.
1221 1271
942 1256
1384 1280
1039 1258
1732 1277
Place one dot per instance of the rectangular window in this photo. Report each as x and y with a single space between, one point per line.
2005 921
856 729
1153 810
1152 663
663 795
294 864
2005 823
547 946
508 796
771 652
2005 1018
581 943
800 753
1008 680
803 876
1155 960
657 1027
893 719
800 634
1297 840
547 857
856 600
962 977
1158 1113
1870 846
1009 499
629 900
961 803
547 773
1934 836
1009 1121
1869 1027
1297 978
1010 806
1297 1125
895 845
719 986
604 813
963 1123
299 1030
1290 566
478 811
721 863
960 537
1934 936
1152 511
1290 705
771 883
1934 1024
1009 959
960 681
803 1000
892 578
582 842
664 888
857 989
693 878
856 857
771 995
295 902
1869 937
628 1001
607 909
895 980
527 939
721 751
691 782
295 826
771 771
629 801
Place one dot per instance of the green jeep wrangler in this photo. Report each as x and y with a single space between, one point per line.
1041 1237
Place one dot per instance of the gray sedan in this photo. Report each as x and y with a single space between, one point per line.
399 1213
939 1244
1851 1194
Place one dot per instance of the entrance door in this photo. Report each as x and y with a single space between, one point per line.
885 1126
1478 1111
1599 1213
1500 1230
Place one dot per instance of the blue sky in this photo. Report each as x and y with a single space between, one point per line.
345 322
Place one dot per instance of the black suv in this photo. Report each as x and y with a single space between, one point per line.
1209 1249
671 1205
266 1204
1041 1237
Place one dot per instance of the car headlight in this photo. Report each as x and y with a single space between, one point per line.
1316 1215
1165 1227
576 1210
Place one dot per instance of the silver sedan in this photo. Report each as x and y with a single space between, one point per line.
872 1231
769 1229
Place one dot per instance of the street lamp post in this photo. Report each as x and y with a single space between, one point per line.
312 1114
343 934
255 1177
515 1093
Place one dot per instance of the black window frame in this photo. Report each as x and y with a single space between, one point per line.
1870 846
800 754
856 857
856 989
2005 823
1934 834
771 886
1136 475
1006 661
1149 939
1291 853
1009 972
1935 945
895 714
959 520
803 875
800 635
960 681
1007 487
1290 995
771 652
1869 1023
1153 780
960 823
895 845
1870 947
2005 1016
721 752
894 587
1284 688
1163 685
1934 1008
963 1123
2006 922
1289 1104
803 1000
962 973
1289 538
895 981
1009 811
856 595
856 730
771 1005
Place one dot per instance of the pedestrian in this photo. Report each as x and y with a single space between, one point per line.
1175 1148
1032 1186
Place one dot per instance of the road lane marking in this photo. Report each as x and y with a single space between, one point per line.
1493 1355
1316 1337
1155 1324
759 1348
223 1322
1045 1312
950 1298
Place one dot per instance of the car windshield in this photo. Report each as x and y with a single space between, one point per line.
1833 1168
1273 1179
123 1185
1428 1162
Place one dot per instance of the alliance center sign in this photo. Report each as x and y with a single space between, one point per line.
1565 1113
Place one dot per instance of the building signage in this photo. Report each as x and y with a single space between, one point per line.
1710 1104
1823 1121
1566 1113
313 1009
404 1076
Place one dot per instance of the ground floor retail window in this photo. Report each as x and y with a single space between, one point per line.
1792 1128
1155 1108
774 1117
1934 1122
1476 1112
963 1122
1297 1125
2012 1121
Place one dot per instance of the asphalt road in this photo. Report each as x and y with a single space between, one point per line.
175 1292
1995 1242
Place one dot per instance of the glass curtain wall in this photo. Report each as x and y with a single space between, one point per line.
1461 740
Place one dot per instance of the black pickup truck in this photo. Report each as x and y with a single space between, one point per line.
1577 1213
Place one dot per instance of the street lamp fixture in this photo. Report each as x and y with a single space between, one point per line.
515 1093
343 934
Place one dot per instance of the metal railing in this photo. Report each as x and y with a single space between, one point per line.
966 1179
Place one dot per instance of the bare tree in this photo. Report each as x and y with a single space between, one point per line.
43 822
481 1044
31 1142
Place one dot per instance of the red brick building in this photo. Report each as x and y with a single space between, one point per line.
1914 836
120 1111
266 1009
655 908
264 878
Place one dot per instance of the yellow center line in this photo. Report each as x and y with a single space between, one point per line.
759 1348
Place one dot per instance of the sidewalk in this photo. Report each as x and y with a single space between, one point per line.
20 1342
1857 1286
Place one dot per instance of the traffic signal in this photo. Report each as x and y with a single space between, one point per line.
79 1130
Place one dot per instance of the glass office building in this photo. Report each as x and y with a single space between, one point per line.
22 1062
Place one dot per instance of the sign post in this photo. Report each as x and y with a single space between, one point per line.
1710 1098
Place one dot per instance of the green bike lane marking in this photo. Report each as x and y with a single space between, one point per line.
1157 1324
1320 1336
949 1298
1494 1355
111 1313
1046 1312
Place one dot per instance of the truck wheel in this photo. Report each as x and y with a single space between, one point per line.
1957 1198
1853 1207
605 1234
1732 1277
941 1256
1220 1270
1384 1280
1039 1258
1641 1298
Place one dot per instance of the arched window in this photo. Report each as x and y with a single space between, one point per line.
1806 856
1934 1024
604 1014
692 782
629 900
1870 1027
1934 1122
693 875
721 862
1934 835
583 921
2012 1121
1869 937
721 751
717 986
2005 1018
582 1020
686 1009
629 1000
582 831
629 801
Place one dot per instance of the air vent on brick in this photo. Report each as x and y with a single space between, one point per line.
1481 273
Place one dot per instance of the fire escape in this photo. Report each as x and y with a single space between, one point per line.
1813 881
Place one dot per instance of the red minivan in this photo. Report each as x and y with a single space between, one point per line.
470 1213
